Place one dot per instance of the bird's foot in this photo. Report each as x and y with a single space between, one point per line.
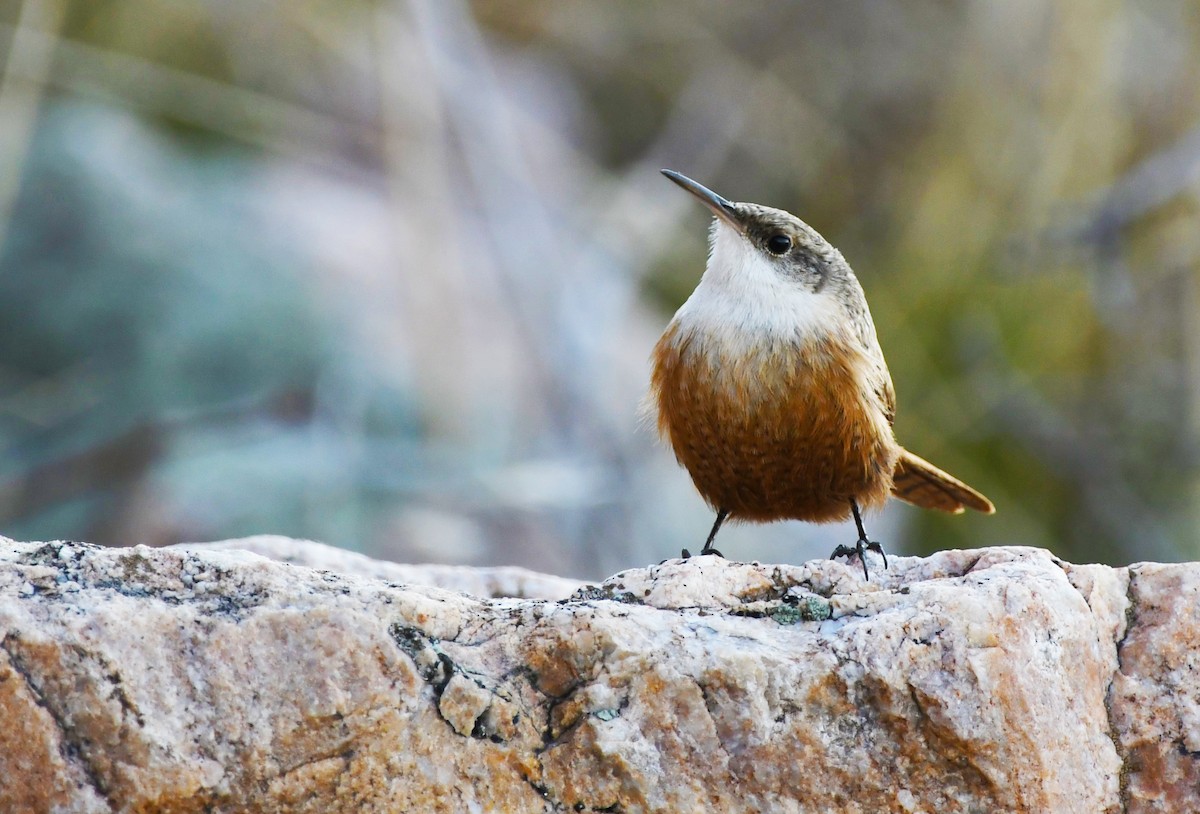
860 550
687 555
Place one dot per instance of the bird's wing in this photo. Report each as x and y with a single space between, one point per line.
885 392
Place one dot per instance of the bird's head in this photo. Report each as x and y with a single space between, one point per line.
752 244
770 274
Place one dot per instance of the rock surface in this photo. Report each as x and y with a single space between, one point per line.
205 678
488 583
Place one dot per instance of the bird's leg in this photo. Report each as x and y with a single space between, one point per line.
862 546
712 535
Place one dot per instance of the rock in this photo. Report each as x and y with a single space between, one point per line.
205 678
1155 697
488 583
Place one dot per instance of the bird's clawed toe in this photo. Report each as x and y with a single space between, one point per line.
687 555
860 550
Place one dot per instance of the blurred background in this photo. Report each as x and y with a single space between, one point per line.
387 274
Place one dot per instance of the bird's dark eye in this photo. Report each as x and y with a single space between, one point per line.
779 244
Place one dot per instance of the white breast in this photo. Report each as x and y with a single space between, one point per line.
744 302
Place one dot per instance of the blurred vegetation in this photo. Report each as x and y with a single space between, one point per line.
387 274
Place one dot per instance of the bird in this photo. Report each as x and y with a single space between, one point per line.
772 390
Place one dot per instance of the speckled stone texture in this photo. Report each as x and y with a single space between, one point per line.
206 678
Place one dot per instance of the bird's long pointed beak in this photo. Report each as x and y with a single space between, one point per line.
724 209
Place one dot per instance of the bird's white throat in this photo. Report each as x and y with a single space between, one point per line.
744 299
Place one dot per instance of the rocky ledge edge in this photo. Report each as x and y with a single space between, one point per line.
207 678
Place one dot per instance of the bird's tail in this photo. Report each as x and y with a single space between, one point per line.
922 484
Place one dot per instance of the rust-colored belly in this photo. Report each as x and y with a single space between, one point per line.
785 434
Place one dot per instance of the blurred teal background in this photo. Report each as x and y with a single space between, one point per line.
387 274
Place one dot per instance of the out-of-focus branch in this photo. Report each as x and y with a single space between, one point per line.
30 54
1149 185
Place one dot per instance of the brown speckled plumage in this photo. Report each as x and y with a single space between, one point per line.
782 434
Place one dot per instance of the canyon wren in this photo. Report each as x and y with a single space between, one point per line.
772 389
